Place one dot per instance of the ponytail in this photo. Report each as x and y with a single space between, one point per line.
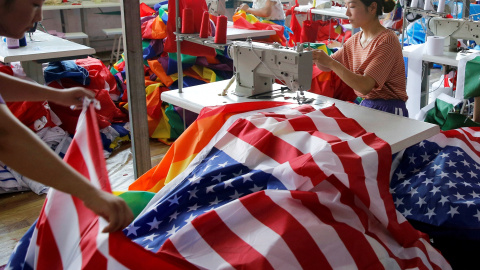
383 6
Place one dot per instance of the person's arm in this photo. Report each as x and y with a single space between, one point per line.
24 152
361 83
15 89
263 12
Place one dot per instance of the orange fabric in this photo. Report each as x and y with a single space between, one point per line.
157 68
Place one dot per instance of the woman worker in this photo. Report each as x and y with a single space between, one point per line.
22 150
271 10
371 61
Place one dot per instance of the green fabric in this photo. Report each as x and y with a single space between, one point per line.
164 7
444 115
317 46
186 59
472 78
439 113
137 200
175 122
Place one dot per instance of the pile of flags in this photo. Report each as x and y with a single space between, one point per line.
266 185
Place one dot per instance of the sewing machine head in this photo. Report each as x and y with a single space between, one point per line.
258 65
454 29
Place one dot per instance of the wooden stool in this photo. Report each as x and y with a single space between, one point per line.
117 41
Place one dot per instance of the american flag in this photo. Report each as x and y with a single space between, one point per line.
286 188
437 182
67 235
289 188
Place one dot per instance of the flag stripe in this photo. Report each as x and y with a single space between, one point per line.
226 243
360 246
306 251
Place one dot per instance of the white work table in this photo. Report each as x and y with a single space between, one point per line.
238 33
399 132
334 11
43 48
448 58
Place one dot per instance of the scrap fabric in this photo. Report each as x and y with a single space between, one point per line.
270 190
436 182
266 180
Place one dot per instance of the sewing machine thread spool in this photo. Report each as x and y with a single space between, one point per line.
187 21
441 6
434 45
205 26
428 5
221 30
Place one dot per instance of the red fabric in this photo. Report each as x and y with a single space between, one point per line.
242 23
187 47
326 31
309 29
330 85
145 10
99 75
294 26
107 114
6 69
28 112
154 29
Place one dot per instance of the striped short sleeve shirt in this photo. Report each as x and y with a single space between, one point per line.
381 59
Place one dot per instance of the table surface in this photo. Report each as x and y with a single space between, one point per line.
448 58
43 47
92 4
334 11
399 132
237 33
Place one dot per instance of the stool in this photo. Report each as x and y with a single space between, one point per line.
117 41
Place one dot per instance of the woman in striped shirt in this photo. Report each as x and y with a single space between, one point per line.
371 61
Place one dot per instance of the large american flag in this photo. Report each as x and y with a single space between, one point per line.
287 188
284 188
437 182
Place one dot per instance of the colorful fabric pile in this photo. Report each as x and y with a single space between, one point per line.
200 65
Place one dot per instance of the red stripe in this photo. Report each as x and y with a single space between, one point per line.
466 137
354 240
305 166
227 244
347 125
239 108
48 254
285 225
96 150
134 256
306 124
269 144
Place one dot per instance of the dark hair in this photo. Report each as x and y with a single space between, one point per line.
383 6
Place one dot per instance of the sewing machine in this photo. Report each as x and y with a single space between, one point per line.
454 29
258 65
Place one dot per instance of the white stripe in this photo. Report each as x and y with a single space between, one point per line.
324 235
330 164
63 219
193 248
258 236
443 141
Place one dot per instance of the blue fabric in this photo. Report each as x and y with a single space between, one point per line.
286 29
393 106
66 69
1 100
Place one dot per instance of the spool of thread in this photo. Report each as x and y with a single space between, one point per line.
23 42
221 30
187 21
428 5
434 45
414 4
205 26
441 6
13 43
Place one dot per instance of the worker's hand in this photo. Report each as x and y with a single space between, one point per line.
243 7
72 96
321 59
111 208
